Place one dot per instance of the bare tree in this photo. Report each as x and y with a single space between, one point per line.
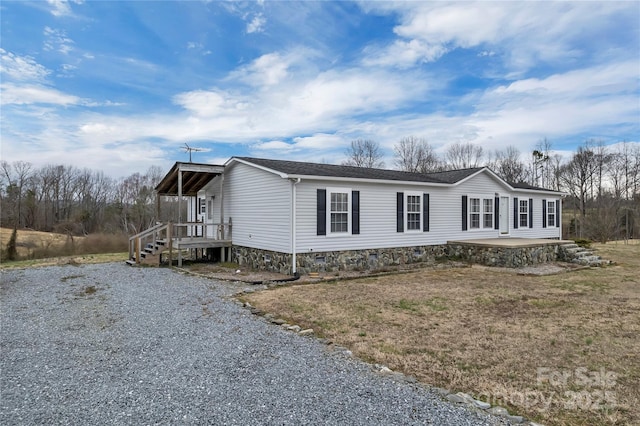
576 176
416 155
555 167
541 164
602 159
508 165
364 153
16 176
464 155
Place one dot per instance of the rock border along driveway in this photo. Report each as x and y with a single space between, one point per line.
110 344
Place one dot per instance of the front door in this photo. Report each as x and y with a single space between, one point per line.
504 215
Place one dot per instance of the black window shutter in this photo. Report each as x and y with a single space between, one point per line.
400 212
425 212
355 212
321 222
464 212
530 212
557 213
544 213
496 213
516 222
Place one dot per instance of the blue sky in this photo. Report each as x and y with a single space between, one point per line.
120 86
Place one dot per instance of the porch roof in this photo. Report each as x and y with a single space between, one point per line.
194 177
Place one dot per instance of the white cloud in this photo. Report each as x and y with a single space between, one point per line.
277 146
561 104
404 54
209 103
606 79
523 32
21 68
35 94
311 145
60 7
57 40
266 70
257 24
320 141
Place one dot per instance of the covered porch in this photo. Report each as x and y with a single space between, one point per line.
188 232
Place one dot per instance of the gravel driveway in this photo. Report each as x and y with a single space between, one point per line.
111 344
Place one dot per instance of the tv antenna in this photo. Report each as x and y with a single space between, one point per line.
190 149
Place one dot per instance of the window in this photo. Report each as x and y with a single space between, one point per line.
474 213
487 213
337 211
203 206
413 212
523 220
210 208
551 213
339 217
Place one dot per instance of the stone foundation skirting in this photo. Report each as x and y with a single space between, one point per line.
388 258
262 260
507 257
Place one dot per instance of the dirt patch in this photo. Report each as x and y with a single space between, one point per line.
233 272
560 348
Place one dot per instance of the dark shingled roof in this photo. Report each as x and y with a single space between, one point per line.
453 176
524 185
332 170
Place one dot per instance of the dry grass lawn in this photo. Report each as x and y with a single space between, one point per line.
29 241
37 248
560 349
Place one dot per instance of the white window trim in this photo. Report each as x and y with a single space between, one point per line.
551 212
337 190
406 211
520 225
483 213
470 212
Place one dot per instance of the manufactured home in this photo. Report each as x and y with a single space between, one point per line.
295 217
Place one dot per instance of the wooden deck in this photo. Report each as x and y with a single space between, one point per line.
199 243
149 246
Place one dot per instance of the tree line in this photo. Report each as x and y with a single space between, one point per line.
73 201
602 183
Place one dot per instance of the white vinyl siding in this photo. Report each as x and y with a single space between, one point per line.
259 203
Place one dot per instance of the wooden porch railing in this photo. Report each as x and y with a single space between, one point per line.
169 233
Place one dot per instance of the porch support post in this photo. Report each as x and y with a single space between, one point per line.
157 206
170 242
179 196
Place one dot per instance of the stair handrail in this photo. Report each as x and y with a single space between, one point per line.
135 242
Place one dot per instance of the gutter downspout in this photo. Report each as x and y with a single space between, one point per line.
294 257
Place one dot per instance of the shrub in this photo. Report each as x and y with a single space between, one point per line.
103 243
583 242
12 251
